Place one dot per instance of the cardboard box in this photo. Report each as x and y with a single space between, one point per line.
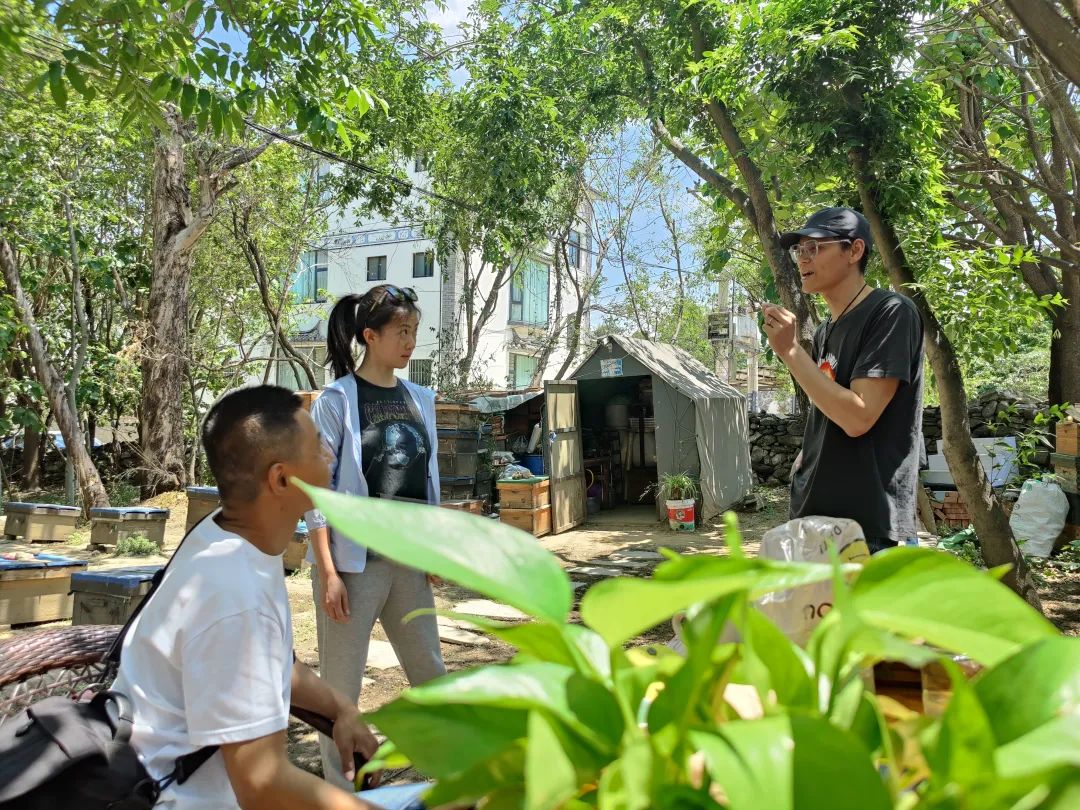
1067 471
473 506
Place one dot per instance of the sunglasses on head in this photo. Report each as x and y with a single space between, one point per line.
397 294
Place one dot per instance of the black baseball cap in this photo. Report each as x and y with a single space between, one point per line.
834 223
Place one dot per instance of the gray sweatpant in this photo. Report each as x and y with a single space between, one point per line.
388 592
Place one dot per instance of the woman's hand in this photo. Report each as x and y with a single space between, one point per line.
335 598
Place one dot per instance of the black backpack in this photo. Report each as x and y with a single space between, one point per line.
60 754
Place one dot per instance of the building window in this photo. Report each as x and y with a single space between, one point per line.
529 295
376 268
423 264
573 249
522 369
291 375
311 282
420 372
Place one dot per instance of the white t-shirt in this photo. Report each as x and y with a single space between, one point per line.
209 661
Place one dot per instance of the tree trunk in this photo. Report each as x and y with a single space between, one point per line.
1055 38
991 523
165 353
93 491
1064 383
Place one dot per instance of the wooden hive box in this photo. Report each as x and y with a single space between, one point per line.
40 522
37 590
525 493
201 501
536 522
110 596
1067 471
293 558
474 506
454 416
110 525
1068 438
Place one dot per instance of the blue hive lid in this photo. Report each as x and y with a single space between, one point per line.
22 506
127 578
123 511
41 561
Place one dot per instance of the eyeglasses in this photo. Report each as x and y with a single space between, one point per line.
398 294
807 251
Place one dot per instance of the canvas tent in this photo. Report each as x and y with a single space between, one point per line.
700 422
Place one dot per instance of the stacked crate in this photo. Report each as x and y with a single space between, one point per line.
1066 463
458 429
526 504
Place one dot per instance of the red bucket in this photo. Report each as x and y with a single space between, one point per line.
680 515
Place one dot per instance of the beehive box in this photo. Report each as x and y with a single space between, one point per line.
452 488
37 590
111 596
293 558
1066 471
474 506
201 501
1068 438
110 525
536 521
525 493
40 522
457 453
454 416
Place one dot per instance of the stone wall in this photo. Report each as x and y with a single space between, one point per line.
775 440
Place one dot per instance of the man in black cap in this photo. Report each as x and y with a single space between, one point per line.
860 454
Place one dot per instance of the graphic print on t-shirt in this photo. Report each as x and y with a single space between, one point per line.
395 446
827 366
402 444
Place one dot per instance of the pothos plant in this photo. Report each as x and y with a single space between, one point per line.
581 718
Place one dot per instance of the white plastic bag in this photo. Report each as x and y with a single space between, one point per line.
1039 516
798 610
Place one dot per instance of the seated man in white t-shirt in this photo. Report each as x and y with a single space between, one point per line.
209 661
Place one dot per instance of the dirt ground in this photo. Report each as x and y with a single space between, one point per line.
610 532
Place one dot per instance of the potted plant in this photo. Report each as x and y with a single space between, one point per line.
680 492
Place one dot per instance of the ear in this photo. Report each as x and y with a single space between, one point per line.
277 479
368 334
858 248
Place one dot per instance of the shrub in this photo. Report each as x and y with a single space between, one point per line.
576 719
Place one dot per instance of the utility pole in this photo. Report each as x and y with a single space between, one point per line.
724 297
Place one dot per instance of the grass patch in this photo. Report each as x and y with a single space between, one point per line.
136 546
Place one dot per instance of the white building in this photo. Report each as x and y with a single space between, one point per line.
356 255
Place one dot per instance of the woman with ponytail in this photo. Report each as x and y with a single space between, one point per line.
381 432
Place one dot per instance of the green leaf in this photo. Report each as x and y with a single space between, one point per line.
583 705
447 740
1032 700
622 608
627 783
791 763
187 100
77 80
56 84
930 596
492 558
550 776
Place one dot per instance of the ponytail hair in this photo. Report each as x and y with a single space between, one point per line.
354 313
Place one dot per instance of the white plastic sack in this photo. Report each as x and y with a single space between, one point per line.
797 611
1039 516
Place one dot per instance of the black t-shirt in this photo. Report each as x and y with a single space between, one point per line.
396 447
871 478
